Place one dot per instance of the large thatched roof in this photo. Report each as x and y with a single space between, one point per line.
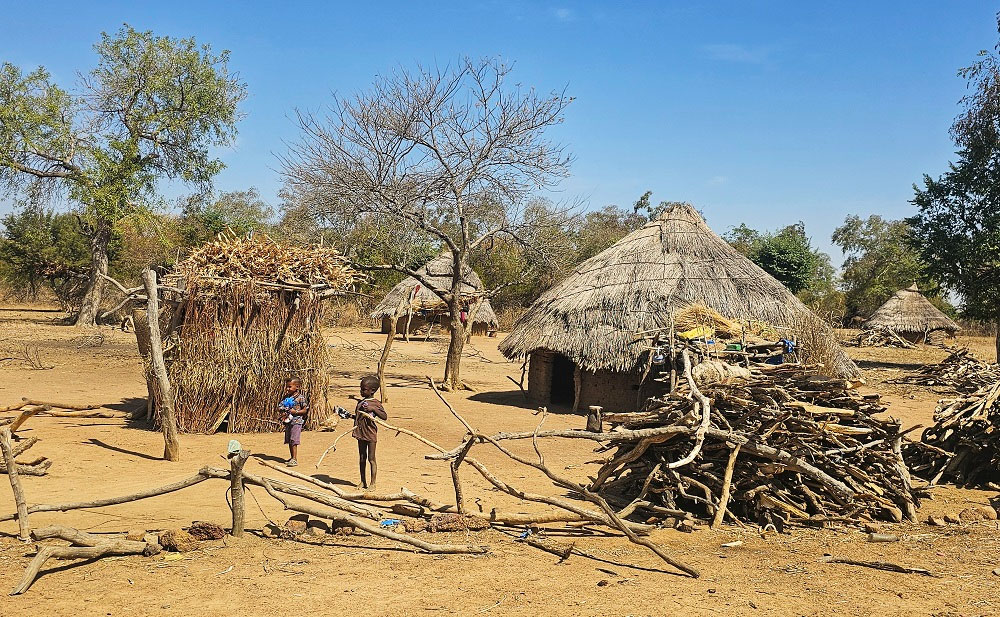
438 271
909 311
594 316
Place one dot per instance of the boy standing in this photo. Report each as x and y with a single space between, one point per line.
294 407
365 430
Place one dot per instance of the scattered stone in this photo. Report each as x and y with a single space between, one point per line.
602 583
951 517
271 531
136 535
873 528
457 522
178 540
996 571
415 526
686 526
341 529
297 524
882 537
151 538
206 531
989 513
936 521
152 548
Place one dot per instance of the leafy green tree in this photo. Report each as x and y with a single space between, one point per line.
39 247
956 230
787 255
151 109
879 261
601 228
205 216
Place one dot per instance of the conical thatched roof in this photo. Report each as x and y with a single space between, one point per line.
438 271
909 311
594 315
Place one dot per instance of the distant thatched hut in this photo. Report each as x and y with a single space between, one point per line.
911 316
411 302
588 336
240 315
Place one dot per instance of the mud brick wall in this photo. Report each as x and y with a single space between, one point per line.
613 391
540 377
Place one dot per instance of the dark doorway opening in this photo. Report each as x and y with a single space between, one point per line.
563 390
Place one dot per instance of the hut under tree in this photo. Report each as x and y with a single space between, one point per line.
239 315
911 316
414 306
587 339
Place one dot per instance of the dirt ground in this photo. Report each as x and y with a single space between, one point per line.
768 574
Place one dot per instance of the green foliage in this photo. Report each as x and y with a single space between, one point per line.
152 108
602 228
956 230
878 262
39 247
205 216
787 255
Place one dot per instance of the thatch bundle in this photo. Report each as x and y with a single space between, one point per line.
414 296
249 316
597 315
909 312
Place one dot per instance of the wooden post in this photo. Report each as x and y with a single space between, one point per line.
577 386
171 447
409 319
727 484
385 356
24 531
594 422
236 462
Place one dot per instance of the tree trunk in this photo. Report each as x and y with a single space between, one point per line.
90 306
171 447
451 368
385 355
997 344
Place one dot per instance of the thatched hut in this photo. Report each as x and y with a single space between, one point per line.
241 314
587 337
912 317
412 303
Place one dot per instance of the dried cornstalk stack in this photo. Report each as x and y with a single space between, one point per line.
242 314
810 453
963 446
961 371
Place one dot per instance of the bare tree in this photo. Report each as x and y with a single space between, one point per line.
454 154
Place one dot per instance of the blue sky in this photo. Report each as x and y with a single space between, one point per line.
760 112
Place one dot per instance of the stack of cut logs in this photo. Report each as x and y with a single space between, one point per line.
963 446
785 446
960 371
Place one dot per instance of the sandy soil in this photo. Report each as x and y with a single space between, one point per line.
767 575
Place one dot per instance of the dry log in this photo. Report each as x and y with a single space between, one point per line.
89 547
26 412
880 565
727 483
374 530
28 401
24 530
201 476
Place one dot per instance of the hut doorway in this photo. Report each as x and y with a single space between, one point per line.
563 389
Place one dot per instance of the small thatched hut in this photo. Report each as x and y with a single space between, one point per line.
911 316
588 336
239 315
411 302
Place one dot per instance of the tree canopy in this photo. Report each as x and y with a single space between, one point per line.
152 108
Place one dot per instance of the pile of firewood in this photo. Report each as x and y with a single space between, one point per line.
961 371
963 446
879 337
785 446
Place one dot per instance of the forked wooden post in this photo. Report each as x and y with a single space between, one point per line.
236 462
171 447
24 531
